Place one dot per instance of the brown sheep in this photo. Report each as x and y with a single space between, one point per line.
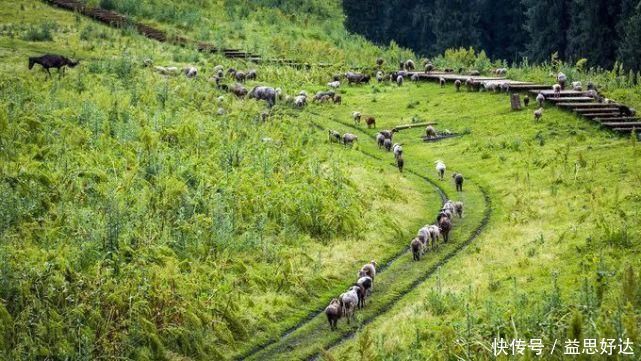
445 226
334 312
371 122
458 180
417 249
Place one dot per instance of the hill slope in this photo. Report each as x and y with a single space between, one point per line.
138 222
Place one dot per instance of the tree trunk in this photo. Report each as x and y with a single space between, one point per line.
515 100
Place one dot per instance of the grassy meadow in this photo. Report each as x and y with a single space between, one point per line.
138 222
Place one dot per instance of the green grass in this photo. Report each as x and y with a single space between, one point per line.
137 223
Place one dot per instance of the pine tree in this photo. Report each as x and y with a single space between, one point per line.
455 24
592 33
629 46
502 33
546 22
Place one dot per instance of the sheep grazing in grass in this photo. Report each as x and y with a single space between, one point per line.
49 61
500 72
458 209
238 90
220 111
356 116
399 80
445 213
414 77
334 136
334 312
337 99
430 132
190 72
457 84
389 134
445 226
349 138
371 122
540 99
458 180
334 84
300 101
380 62
251 75
429 67
362 293
369 270
561 79
267 94
440 169
526 100
577 86
324 96
538 114
409 65
441 81
505 86
240 76
387 144
147 62
423 234
398 150
469 84
166 70
218 68
434 233
380 140
366 283
475 73
231 72
557 90
400 163
379 76
356 78
349 302
417 249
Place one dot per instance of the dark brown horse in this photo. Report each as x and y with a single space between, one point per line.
52 61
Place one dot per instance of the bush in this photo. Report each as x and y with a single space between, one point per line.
42 33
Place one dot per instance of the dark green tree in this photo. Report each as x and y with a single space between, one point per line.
547 22
629 51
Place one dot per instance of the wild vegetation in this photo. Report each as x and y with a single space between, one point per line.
139 221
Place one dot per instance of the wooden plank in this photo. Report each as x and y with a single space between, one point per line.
581 105
595 110
570 99
621 124
414 125
625 129
617 119
601 115
563 93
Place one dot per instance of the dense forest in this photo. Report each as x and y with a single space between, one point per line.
601 31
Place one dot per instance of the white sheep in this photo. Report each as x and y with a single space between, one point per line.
349 302
398 150
300 101
399 80
357 117
538 114
540 99
457 84
190 72
379 76
349 138
441 81
561 79
576 85
334 84
440 169
557 90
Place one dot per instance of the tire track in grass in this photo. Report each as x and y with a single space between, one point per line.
380 269
281 345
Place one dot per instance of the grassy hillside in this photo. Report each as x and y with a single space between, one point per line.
137 222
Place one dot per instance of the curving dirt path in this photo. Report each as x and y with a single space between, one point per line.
303 333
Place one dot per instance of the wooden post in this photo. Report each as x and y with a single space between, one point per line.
515 100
